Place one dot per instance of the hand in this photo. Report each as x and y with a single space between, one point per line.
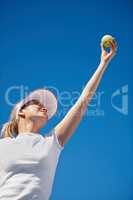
107 56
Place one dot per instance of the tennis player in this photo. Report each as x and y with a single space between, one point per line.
28 160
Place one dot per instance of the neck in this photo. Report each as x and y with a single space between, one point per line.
27 126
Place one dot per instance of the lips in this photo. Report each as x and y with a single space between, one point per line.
45 113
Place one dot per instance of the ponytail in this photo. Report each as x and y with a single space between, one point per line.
9 129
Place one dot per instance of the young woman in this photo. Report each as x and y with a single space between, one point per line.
28 161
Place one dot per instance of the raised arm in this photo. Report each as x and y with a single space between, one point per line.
69 123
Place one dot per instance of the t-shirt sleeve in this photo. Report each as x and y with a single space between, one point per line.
53 138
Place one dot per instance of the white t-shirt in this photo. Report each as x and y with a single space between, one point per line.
27 166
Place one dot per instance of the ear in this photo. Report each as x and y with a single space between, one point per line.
21 114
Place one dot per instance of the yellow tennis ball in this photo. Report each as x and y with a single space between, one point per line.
106 41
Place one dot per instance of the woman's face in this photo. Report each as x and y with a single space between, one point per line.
35 112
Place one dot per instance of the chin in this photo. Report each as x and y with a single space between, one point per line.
43 120
40 120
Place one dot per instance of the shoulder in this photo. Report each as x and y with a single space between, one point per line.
52 136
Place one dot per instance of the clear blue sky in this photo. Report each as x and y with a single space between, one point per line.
56 44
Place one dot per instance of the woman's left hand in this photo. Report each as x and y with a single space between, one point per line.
107 56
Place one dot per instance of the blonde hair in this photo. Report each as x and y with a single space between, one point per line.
11 126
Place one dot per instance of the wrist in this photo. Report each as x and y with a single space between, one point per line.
104 63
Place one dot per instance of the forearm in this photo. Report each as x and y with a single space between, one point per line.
92 85
70 122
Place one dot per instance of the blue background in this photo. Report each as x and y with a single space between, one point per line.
57 44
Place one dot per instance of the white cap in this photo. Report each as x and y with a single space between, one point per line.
44 96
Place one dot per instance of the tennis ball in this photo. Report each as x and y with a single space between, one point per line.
106 41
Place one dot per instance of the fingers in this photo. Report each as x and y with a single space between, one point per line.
102 48
111 53
113 45
113 49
